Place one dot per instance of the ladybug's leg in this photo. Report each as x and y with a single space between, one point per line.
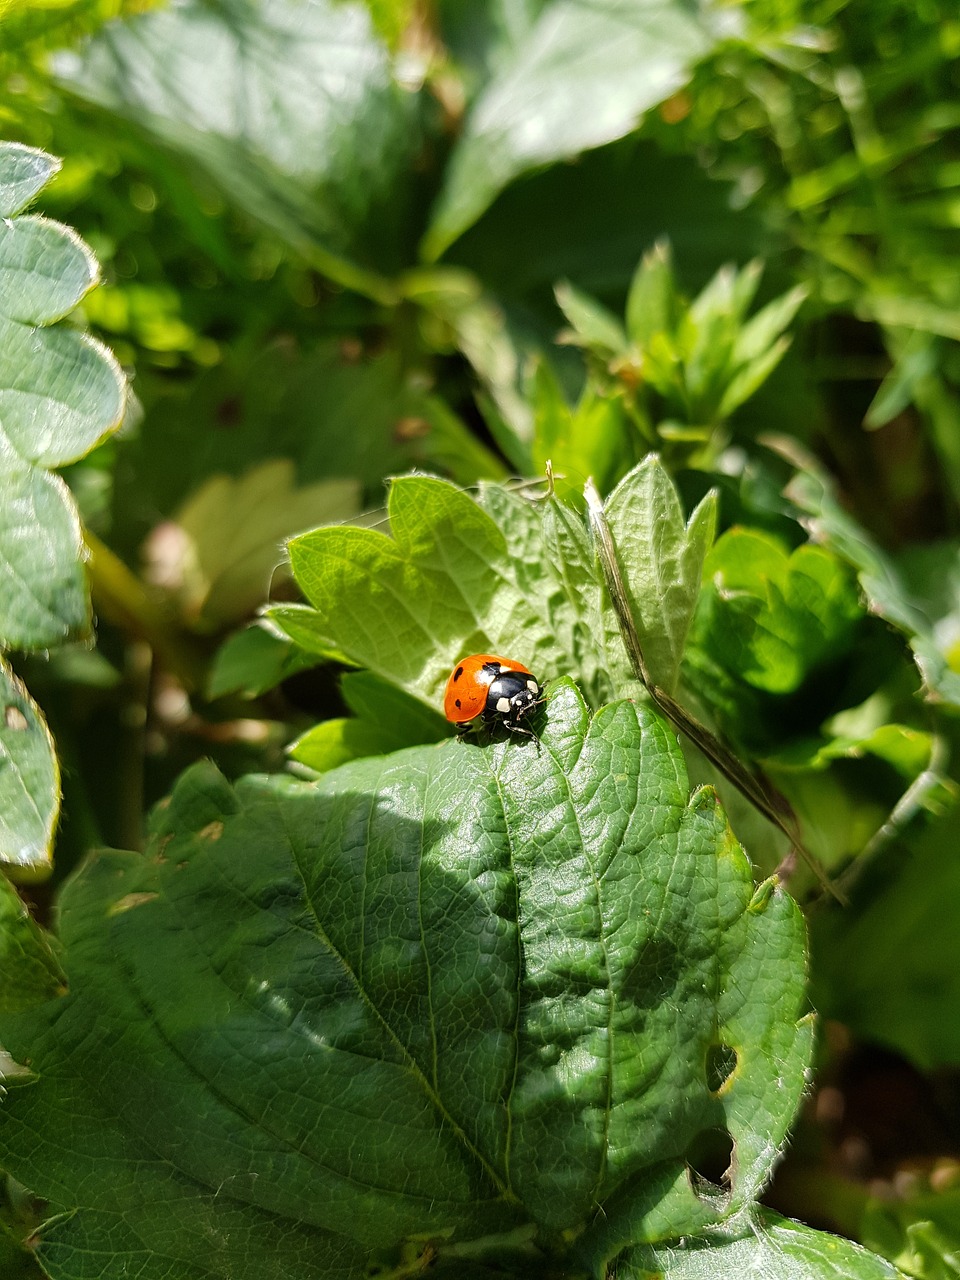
527 733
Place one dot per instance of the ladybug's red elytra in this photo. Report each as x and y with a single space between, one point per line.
494 690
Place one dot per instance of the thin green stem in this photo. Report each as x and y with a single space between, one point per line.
769 802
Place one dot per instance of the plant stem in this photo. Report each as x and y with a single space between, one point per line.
124 600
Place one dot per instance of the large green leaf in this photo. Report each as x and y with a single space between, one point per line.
502 575
584 74
292 109
29 781
60 393
460 992
409 606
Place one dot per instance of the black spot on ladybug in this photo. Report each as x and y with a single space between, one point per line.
458 703
456 675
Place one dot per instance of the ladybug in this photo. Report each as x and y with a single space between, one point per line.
495 691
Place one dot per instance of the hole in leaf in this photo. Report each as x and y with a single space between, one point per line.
721 1064
709 1160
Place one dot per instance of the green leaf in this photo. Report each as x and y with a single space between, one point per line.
223 550
387 719
60 393
296 117
884 966
30 972
253 660
29 780
303 626
591 222
25 172
333 417
662 559
652 301
409 606
919 1230
447 994
887 592
592 438
583 76
760 1244
593 325
773 616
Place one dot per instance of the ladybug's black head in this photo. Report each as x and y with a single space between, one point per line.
511 696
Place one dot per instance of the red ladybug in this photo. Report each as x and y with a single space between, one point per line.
496 691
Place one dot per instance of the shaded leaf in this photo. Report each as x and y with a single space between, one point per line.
583 76
254 660
221 553
30 972
888 593
29 780
291 109
384 719
886 967
315 1034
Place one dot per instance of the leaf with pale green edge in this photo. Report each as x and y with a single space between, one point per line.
30 972
303 626
583 76
763 1246
887 965
887 591
60 393
253 660
223 550
661 557
553 560
294 111
919 1229
384 719
29 781
409 606
449 994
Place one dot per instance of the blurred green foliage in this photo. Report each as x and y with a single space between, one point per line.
340 241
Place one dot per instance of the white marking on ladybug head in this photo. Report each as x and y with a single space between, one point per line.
503 705
533 686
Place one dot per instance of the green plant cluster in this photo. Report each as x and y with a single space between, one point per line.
339 341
